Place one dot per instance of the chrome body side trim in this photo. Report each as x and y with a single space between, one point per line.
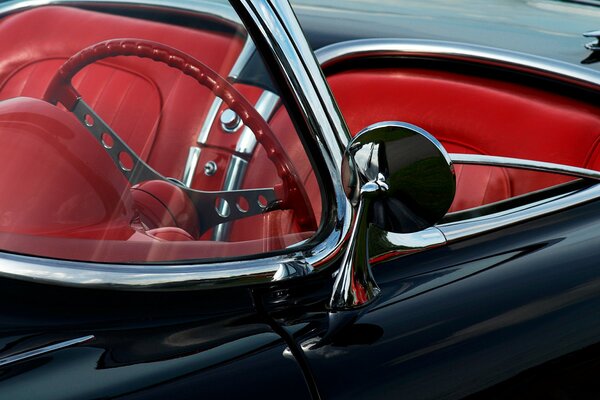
459 230
26 355
519 163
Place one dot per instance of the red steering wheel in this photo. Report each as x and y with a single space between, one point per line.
292 193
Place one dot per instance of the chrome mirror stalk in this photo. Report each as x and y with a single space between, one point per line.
354 285
400 179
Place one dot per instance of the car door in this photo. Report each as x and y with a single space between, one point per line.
68 343
509 313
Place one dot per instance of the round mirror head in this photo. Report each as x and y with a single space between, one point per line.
412 171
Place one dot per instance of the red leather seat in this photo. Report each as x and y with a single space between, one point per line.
470 114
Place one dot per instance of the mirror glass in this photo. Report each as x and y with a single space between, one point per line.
413 167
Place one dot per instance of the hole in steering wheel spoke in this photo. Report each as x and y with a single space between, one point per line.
107 140
125 161
262 201
242 204
222 207
88 120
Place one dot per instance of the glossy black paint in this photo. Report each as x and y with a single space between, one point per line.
151 346
461 319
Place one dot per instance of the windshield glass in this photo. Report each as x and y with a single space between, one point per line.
145 134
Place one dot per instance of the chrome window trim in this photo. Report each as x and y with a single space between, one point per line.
519 163
443 50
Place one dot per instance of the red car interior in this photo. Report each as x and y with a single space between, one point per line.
159 111
58 160
155 108
471 114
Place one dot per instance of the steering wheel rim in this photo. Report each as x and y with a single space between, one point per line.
60 90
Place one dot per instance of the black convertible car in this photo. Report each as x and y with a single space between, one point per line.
352 199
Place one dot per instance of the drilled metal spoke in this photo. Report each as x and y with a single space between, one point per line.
239 203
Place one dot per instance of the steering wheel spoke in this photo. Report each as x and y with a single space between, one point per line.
221 207
124 158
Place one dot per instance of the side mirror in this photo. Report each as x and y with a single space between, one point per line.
400 179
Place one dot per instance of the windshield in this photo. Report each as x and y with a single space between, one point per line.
143 134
